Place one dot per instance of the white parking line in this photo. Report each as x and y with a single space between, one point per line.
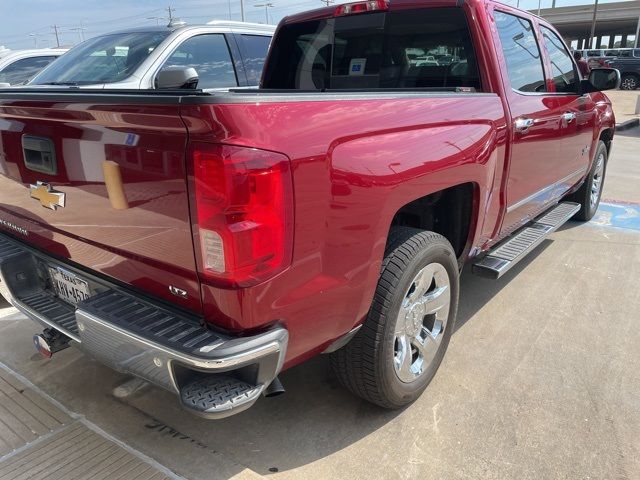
7 312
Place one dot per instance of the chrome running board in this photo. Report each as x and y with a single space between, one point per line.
507 253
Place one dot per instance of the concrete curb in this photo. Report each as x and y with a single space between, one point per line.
626 125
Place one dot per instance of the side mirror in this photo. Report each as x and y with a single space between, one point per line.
601 79
177 77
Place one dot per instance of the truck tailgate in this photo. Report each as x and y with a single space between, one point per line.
101 182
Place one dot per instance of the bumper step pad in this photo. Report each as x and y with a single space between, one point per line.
509 252
217 394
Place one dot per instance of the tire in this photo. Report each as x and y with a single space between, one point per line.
378 363
589 194
629 81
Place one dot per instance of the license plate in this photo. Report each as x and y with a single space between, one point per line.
68 286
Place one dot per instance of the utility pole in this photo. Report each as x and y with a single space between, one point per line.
329 2
593 25
55 30
242 10
229 5
35 39
157 19
539 2
267 6
80 31
637 33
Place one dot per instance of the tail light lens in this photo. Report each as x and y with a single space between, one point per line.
243 211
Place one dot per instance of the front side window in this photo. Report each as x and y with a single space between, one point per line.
21 71
521 53
565 76
420 49
107 59
254 52
209 56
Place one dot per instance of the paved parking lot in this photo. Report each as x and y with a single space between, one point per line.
541 380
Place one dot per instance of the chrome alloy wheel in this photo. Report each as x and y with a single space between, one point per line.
596 183
421 322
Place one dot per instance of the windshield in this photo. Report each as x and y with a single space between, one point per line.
106 59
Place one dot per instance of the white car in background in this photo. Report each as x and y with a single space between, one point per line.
17 67
216 56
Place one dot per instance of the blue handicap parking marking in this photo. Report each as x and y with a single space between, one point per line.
619 215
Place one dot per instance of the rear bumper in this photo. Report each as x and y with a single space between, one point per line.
133 334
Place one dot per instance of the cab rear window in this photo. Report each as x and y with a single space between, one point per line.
414 49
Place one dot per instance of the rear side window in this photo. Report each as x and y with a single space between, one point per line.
21 71
565 76
254 51
426 48
521 53
209 56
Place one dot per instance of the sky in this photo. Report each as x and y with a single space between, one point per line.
26 22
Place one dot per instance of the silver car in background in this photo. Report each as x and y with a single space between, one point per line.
216 56
19 66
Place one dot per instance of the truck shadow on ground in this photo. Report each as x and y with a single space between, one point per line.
314 419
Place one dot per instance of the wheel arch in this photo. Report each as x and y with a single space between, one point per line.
452 212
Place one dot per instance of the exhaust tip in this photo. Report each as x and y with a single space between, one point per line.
274 389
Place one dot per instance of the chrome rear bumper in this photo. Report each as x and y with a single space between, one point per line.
135 335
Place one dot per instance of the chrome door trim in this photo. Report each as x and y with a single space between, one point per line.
544 190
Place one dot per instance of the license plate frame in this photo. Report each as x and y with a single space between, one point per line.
68 286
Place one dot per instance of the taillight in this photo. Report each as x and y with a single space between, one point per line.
360 7
244 213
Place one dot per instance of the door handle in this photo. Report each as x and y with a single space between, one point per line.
523 124
569 117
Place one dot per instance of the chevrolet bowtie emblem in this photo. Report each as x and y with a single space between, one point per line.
49 198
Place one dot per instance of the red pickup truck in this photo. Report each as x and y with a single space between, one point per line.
206 242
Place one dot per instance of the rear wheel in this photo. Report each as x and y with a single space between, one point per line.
629 82
589 194
396 353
